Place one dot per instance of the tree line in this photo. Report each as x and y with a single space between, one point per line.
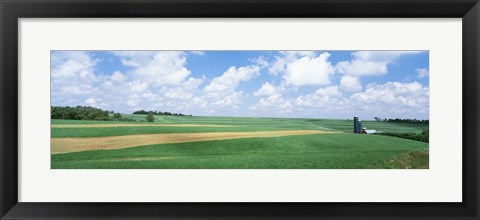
423 137
85 113
143 112
399 120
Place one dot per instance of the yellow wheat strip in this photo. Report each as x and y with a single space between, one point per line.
66 145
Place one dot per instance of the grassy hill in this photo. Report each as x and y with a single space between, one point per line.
326 151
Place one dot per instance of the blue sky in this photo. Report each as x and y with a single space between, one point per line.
310 84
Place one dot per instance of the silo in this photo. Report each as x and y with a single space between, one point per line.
359 127
355 124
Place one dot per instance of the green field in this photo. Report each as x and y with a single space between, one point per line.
337 149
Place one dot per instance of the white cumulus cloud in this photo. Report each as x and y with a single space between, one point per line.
229 80
90 101
370 63
361 68
274 105
159 68
309 71
350 83
422 72
230 101
72 77
76 65
382 56
393 98
388 100
267 89
197 52
117 76
279 65
321 97
185 91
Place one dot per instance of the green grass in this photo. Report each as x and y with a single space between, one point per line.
333 151
347 125
116 131
319 151
241 124
409 160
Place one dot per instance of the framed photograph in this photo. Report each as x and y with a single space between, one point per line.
266 100
252 110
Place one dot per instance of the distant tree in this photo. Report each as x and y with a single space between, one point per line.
410 121
143 112
78 113
150 117
117 115
377 119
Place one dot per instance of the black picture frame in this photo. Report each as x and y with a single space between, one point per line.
12 10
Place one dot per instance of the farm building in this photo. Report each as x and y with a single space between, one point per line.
357 127
369 131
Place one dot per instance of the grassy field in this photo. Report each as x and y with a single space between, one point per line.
290 144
